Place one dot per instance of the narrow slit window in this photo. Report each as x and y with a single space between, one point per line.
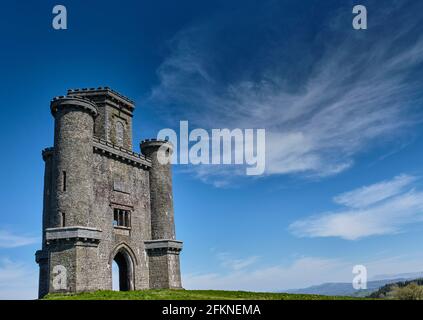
121 223
63 218
64 180
126 219
115 218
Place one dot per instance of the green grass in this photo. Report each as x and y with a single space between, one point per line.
188 295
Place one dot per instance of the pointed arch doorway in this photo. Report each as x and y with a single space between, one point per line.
125 269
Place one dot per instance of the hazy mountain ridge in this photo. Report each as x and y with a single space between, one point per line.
346 288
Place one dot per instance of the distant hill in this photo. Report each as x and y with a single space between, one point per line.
343 288
409 275
346 288
382 292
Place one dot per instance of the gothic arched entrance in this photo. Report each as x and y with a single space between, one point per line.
125 264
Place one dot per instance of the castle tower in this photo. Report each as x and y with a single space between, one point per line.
103 202
68 231
72 161
164 249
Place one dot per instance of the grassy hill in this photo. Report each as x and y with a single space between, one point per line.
188 295
416 291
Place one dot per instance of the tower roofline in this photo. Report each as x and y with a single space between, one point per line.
66 101
155 144
102 95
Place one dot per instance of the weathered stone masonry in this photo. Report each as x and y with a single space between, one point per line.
104 202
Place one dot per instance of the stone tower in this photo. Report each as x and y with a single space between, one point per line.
103 202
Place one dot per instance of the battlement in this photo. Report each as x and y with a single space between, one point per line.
120 153
47 152
104 95
82 102
155 140
155 143
114 151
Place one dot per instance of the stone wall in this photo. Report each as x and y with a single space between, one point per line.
134 196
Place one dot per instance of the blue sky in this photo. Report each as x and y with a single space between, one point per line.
342 111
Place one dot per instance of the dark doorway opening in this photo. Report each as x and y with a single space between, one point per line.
125 274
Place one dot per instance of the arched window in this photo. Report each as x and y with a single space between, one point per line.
119 133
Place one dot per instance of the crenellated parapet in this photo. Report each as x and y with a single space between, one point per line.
103 95
119 153
163 246
47 153
60 102
156 143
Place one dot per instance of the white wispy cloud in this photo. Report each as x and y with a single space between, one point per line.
10 240
17 280
356 92
227 260
368 195
372 210
301 272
